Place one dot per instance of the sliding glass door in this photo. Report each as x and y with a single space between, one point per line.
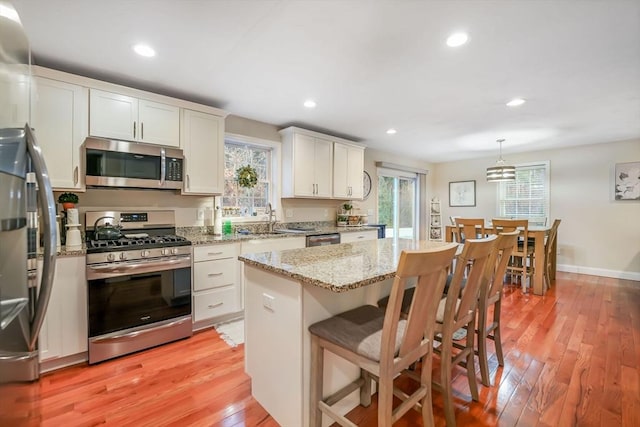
397 204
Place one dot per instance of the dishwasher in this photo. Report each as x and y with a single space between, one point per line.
323 239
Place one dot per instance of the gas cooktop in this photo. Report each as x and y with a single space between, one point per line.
96 246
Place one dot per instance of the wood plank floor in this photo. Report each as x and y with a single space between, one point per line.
572 359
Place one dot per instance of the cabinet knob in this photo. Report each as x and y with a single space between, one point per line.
141 130
215 305
75 175
134 130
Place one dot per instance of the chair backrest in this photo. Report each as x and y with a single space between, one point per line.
472 228
507 225
453 219
551 240
477 253
505 245
430 268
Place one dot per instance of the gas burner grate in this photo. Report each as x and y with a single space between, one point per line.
133 242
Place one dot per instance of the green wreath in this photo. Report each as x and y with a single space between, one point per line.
247 177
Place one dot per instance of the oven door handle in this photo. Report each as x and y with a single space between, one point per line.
127 268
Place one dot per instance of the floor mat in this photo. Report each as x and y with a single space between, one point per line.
232 332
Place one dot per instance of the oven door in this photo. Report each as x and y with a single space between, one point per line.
133 294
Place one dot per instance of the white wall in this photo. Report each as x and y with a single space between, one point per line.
598 235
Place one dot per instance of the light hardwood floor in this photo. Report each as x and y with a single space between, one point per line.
572 358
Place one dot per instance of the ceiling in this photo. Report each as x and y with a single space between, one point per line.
371 65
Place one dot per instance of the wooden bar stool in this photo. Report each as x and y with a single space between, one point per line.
491 294
458 310
521 262
548 253
383 344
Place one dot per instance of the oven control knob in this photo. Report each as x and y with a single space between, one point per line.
144 254
164 252
174 251
111 257
123 256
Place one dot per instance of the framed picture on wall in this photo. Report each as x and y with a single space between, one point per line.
462 193
627 186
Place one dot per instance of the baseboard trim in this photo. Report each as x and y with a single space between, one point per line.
616 274
63 362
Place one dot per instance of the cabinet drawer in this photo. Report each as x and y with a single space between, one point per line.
206 253
214 274
215 303
358 236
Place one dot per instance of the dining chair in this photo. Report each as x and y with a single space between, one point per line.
521 261
491 295
458 310
548 253
383 344
470 228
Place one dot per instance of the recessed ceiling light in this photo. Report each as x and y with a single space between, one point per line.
515 102
310 103
144 50
457 39
391 131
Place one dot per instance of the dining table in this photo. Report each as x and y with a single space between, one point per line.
538 234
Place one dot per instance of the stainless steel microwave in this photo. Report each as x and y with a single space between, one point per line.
111 163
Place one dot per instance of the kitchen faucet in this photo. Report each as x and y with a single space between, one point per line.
272 216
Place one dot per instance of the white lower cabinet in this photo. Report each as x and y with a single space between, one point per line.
358 236
64 331
216 288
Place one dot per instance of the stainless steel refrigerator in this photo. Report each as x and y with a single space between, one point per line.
26 205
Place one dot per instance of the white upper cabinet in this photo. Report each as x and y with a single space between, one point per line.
348 168
203 146
307 164
116 116
59 117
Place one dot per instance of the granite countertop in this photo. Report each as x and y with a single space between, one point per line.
202 238
339 268
199 238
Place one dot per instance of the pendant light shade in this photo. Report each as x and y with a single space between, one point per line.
501 172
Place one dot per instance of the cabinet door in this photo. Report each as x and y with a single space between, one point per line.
14 102
159 123
355 171
203 145
112 115
60 121
340 170
323 167
65 330
304 165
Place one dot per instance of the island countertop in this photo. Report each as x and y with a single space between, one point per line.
342 267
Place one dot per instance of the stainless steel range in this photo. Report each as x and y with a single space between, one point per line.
139 282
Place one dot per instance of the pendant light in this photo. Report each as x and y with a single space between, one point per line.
501 172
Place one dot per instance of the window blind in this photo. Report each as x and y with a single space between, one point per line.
528 196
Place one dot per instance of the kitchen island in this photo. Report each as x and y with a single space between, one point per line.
285 292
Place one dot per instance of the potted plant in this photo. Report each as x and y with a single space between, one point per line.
68 200
347 206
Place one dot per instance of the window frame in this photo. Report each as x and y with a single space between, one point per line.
274 179
398 174
546 164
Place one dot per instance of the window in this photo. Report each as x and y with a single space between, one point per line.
528 196
246 202
397 203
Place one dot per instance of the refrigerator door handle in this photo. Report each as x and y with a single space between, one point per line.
48 207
